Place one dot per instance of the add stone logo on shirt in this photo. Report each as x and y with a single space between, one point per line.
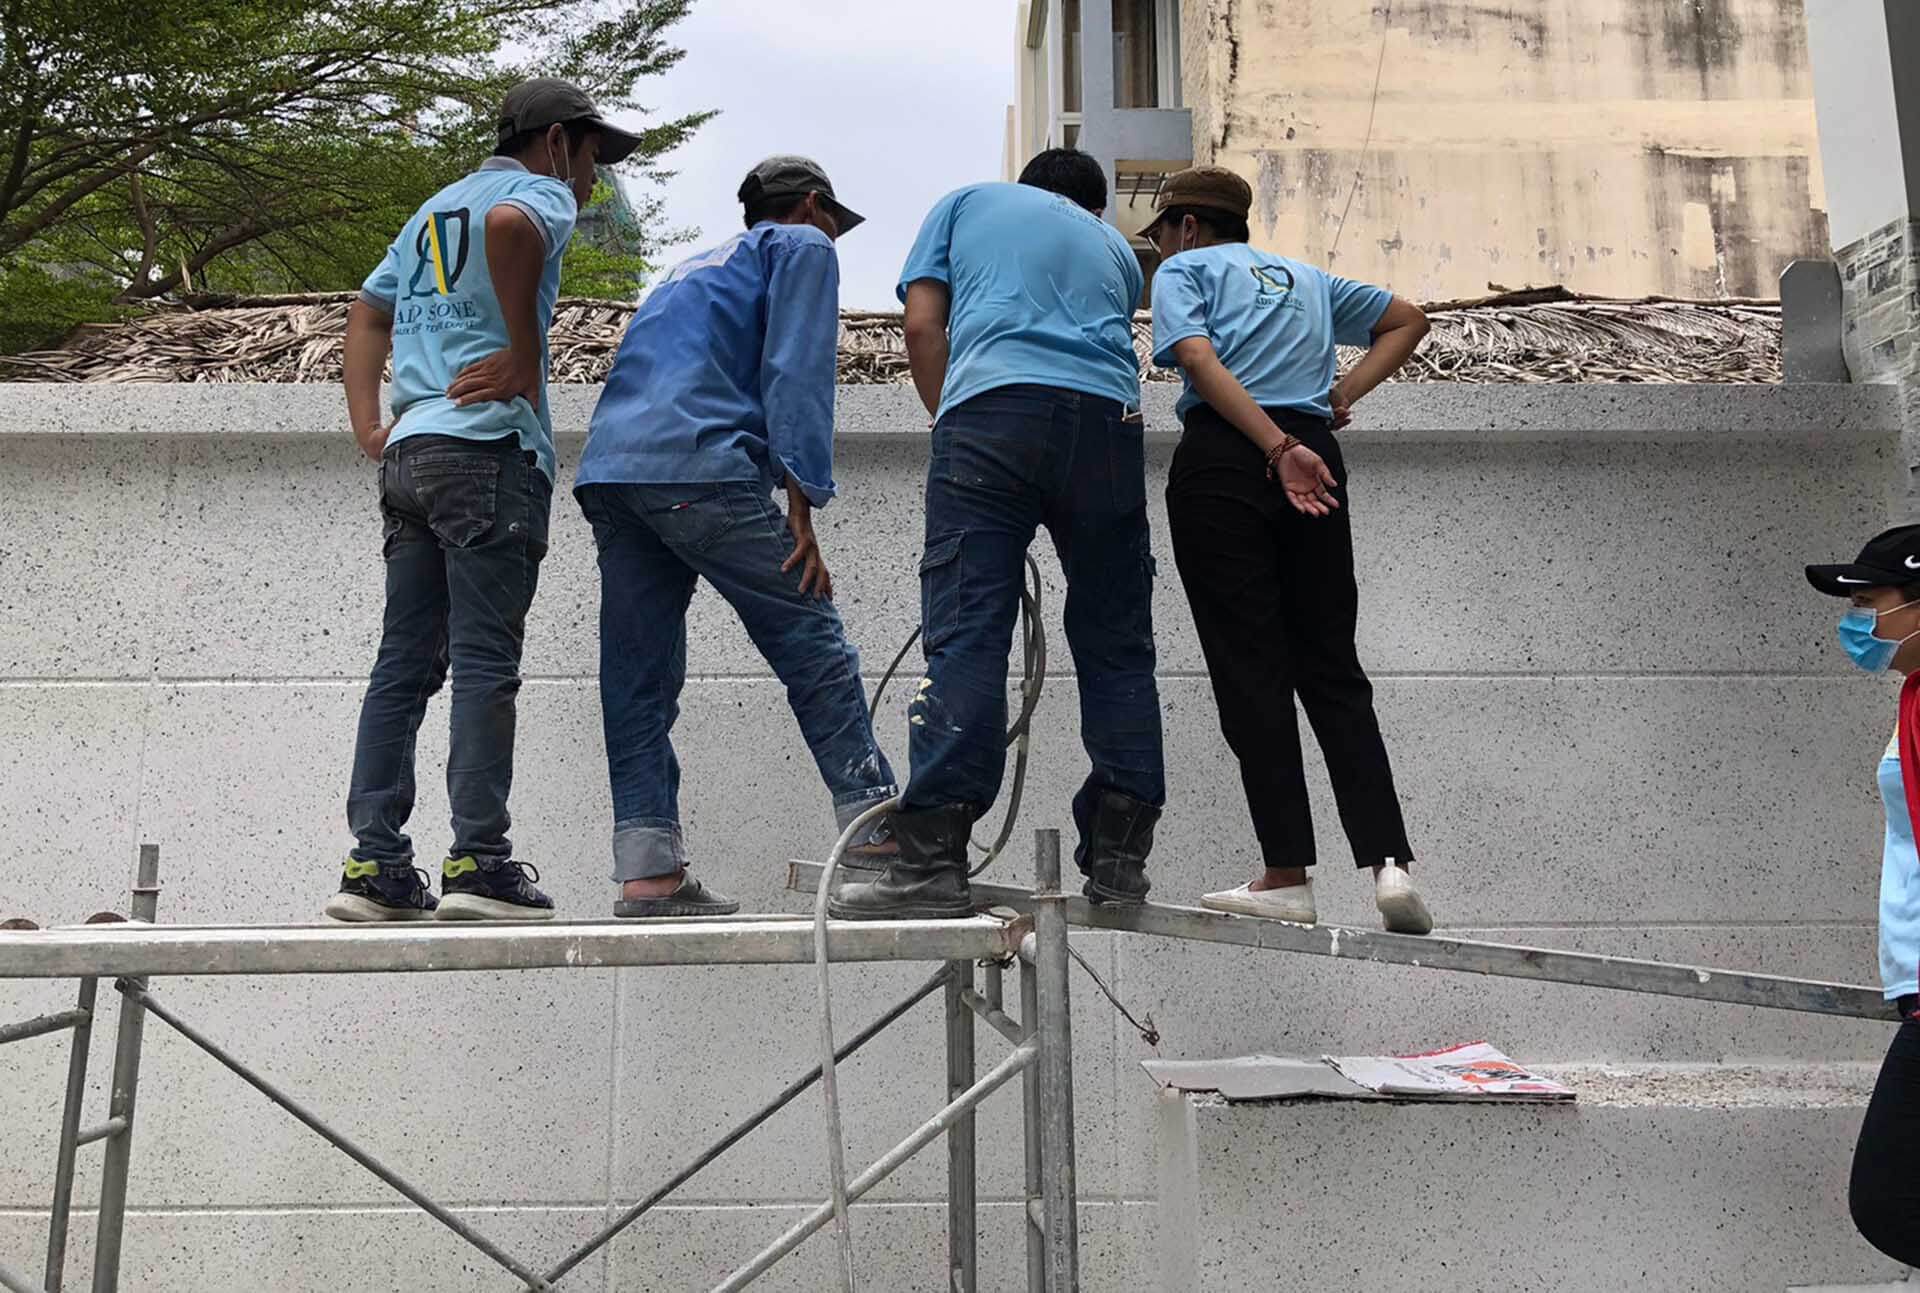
1273 285
441 251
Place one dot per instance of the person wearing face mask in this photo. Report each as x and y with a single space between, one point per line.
1262 534
1880 632
723 390
462 302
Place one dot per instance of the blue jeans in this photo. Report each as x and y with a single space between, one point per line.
466 527
1004 464
654 542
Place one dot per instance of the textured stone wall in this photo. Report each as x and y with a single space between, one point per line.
1616 712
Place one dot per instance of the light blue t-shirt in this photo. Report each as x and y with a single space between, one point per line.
1273 321
436 284
1899 884
1043 293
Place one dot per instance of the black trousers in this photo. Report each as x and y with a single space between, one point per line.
1885 1191
1274 600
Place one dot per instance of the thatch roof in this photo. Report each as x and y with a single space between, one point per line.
1542 335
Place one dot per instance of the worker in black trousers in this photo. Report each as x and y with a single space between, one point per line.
1262 534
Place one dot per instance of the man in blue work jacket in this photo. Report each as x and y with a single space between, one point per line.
723 389
1018 307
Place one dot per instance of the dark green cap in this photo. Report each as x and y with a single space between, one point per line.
548 101
788 176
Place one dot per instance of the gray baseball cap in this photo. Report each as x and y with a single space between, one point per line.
548 101
788 176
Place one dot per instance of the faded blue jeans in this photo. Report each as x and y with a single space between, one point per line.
1005 463
654 542
466 527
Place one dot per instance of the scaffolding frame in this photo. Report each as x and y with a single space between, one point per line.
132 953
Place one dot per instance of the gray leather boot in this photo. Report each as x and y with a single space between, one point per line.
1114 856
928 881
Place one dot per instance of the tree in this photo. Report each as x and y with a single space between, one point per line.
276 145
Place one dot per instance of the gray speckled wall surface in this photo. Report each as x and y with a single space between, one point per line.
1615 709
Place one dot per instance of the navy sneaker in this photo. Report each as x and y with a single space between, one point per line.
472 890
372 891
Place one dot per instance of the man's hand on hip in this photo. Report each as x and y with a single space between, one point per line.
502 375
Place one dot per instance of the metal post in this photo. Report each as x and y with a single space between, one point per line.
1056 1069
1030 1126
962 1216
1024 1057
126 1082
69 1140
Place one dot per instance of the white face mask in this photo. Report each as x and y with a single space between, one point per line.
554 164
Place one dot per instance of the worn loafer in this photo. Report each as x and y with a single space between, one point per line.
691 899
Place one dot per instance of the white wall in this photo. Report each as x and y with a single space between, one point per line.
1616 711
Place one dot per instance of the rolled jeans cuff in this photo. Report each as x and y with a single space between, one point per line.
848 807
647 847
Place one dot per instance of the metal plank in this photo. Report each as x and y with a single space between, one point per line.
1439 952
133 950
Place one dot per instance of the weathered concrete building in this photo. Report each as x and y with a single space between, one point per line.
1621 147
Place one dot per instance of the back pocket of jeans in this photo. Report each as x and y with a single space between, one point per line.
695 523
458 492
974 459
940 591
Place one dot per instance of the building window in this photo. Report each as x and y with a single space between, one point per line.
1146 53
1070 56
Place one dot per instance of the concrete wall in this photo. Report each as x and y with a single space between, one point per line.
1655 1179
1617 713
1618 146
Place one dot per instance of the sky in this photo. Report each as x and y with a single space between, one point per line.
900 101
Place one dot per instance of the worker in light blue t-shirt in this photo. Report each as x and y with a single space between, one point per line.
1019 300
1880 632
462 302
1256 501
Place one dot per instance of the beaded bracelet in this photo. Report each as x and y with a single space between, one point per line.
1279 451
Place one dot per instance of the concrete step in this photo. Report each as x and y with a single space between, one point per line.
1661 1177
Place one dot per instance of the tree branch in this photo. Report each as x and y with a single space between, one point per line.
149 235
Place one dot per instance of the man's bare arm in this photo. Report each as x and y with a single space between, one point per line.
369 340
927 347
516 257
1302 472
1395 337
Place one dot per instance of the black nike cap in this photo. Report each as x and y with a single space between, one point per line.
1891 559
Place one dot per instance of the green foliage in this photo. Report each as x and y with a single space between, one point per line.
38 308
277 145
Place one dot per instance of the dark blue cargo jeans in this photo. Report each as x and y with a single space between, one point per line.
1005 463
466 527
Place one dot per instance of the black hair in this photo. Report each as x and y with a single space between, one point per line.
1070 173
775 209
1223 225
577 131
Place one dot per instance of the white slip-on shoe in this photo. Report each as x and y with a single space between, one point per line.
1293 904
1399 902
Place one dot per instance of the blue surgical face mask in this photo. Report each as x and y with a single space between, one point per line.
1867 651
